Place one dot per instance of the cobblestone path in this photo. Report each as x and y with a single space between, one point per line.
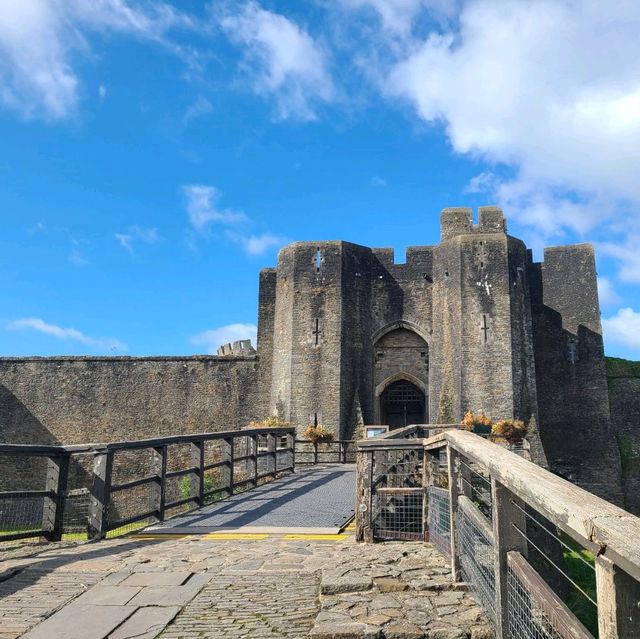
33 595
260 586
250 605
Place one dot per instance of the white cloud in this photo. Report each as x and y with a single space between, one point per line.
547 87
146 235
215 337
200 107
39 39
72 334
623 328
77 258
102 92
606 292
376 180
398 16
203 210
628 256
257 244
282 59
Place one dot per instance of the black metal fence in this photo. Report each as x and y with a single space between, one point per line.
337 451
100 490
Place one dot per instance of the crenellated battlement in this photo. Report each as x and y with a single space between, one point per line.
241 347
459 221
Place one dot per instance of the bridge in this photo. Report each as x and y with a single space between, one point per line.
252 534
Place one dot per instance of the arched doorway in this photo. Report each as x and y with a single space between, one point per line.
402 403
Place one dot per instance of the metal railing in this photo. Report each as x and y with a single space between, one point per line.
337 451
517 534
107 489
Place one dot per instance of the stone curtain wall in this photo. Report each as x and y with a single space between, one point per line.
624 396
70 400
571 382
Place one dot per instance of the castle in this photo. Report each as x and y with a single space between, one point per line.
347 336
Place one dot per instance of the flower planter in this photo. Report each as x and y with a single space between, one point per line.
481 429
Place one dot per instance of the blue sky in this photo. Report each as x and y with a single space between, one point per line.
154 156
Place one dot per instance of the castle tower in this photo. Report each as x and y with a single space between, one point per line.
318 288
482 352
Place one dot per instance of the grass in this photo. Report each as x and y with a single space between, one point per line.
78 536
618 367
585 577
629 458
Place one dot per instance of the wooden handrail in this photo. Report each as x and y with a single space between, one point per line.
517 486
599 525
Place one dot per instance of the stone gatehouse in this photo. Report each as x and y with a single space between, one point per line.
348 335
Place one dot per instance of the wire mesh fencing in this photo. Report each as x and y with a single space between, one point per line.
476 485
476 555
398 496
534 611
398 515
565 569
23 496
439 519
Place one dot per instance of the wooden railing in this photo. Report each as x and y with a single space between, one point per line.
495 547
137 481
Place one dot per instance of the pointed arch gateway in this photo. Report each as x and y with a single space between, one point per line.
401 375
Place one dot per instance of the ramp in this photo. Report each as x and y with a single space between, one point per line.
313 500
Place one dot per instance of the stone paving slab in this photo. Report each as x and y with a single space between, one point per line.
169 595
156 579
78 621
318 498
145 623
108 595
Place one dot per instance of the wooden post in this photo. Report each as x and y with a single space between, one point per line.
158 487
291 444
618 597
229 454
315 452
428 462
344 451
197 479
254 446
100 494
465 478
453 470
271 447
56 484
364 510
505 514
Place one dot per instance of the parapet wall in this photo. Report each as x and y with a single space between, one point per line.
459 221
239 348
71 400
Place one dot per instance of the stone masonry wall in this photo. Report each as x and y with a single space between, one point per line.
70 400
624 396
575 424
